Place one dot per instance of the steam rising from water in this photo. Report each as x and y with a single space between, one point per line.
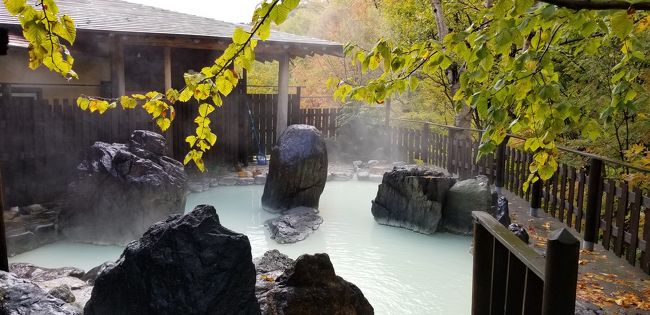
399 271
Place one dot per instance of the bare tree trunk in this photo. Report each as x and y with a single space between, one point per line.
464 115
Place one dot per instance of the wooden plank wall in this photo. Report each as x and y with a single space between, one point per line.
38 140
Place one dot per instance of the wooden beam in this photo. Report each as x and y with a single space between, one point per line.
265 51
117 67
4 260
167 65
283 95
4 41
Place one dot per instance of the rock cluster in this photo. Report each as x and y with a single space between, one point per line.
297 170
22 296
122 189
307 286
30 227
428 200
184 265
294 225
36 290
412 199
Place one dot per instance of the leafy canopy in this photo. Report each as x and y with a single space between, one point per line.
508 59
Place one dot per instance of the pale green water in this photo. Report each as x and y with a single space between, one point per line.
399 271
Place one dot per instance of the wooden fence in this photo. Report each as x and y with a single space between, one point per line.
607 211
42 142
264 113
509 277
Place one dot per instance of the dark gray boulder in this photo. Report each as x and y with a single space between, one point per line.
40 274
122 189
297 170
463 198
22 296
94 273
185 265
519 231
268 268
294 225
310 287
63 293
412 199
502 213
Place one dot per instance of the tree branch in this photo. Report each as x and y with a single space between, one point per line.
599 5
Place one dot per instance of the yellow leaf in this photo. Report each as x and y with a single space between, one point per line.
83 103
163 123
205 109
127 102
191 140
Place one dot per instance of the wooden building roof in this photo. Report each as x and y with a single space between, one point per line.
140 21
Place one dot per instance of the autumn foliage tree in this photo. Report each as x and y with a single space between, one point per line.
504 67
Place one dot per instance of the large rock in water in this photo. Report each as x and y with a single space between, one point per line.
412 199
297 171
463 198
185 265
21 296
122 189
308 286
294 225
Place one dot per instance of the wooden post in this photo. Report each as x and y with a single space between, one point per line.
450 149
283 95
536 198
4 41
482 269
295 108
561 273
4 260
167 68
117 67
501 166
6 93
594 195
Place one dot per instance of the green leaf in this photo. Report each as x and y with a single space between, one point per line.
291 4
621 24
240 36
14 7
591 130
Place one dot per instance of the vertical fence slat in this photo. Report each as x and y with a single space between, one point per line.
620 220
610 194
580 200
635 216
572 185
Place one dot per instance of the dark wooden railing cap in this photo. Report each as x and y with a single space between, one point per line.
563 236
521 250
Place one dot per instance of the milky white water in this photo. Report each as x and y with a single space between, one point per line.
399 271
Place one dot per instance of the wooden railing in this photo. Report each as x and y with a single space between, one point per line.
604 210
509 277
